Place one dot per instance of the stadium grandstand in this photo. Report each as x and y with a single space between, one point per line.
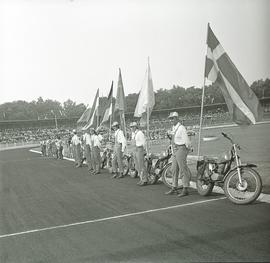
34 131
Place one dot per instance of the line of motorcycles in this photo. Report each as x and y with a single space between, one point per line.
241 183
154 163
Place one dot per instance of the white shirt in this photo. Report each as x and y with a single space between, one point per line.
120 138
180 135
96 140
139 138
87 138
75 140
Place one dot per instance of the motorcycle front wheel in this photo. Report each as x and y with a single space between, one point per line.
167 177
244 193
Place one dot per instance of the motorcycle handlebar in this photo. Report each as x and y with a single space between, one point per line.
227 137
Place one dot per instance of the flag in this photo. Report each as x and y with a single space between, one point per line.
85 117
120 106
146 99
242 102
108 108
93 120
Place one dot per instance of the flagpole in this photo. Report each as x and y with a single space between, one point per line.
201 120
202 105
55 119
111 113
110 128
147 123
97 120
124 123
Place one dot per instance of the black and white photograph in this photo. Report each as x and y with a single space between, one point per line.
134 131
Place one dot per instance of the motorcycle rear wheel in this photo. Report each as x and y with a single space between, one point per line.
125 165
167 177
131 168
152 178
204 187
246 193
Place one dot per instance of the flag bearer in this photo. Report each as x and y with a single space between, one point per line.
139 140
76 144
88 149
120 144
96 145
181 145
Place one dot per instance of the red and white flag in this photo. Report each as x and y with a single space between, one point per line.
242 102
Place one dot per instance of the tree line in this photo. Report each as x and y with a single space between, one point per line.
175 97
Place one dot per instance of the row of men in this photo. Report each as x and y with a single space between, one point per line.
181 145
52 147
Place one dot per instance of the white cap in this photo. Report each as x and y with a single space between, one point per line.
115 123
133 124
173 114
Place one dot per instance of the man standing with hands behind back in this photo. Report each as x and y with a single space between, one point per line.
181 145
139 141
120 144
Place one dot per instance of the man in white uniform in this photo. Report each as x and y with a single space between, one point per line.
120 144
96 146
181 145
140 142
88 148
76 144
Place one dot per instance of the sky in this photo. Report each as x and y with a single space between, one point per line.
66 49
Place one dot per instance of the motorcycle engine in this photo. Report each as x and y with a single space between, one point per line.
213 168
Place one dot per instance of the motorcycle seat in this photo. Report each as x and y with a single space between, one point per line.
211 159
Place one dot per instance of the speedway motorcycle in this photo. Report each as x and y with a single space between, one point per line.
241 183
107 157
154 164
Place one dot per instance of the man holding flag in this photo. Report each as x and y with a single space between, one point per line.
139 140
181 145
120 144
146 101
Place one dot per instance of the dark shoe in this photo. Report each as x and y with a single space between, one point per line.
172 191
183 193
121 175
115 175
143 184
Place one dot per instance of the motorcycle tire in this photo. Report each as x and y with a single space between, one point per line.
204 188
246 193
152 178
125 165
167 178
133 173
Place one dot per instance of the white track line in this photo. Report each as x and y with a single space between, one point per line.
262 198
66 158
108 218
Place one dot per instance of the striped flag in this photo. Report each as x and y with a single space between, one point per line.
120 105
93 120
108 111
242 102
85 116
146 99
